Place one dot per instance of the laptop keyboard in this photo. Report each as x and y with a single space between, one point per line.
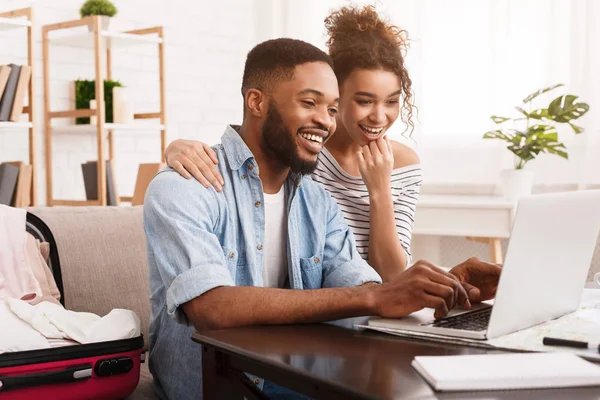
470 321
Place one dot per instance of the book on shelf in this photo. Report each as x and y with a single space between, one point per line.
90 180
8 182
22 192
10 90
4 73
22 85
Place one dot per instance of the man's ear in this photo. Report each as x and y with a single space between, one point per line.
256 103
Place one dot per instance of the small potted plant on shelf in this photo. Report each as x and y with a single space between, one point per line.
532 133
104 8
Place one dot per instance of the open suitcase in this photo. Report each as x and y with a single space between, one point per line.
105 370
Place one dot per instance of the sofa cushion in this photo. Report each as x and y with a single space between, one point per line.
103 259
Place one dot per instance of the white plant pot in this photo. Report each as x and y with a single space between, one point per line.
517 183
105 21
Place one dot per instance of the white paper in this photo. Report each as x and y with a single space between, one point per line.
506 371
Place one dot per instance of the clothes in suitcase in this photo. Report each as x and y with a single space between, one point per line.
103 370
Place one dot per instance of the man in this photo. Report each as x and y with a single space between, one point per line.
249 254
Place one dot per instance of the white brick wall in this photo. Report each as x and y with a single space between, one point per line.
205 47
206 43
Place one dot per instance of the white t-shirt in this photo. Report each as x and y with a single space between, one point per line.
275 268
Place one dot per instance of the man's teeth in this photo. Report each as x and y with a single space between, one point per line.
373 131
314 138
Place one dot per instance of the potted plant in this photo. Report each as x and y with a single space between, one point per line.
104 8
532 133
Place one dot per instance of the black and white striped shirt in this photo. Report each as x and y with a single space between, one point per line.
352 195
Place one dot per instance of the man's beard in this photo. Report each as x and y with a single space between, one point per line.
278 142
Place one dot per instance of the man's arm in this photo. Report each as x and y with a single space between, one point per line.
180 220
180 217
228 307
421 286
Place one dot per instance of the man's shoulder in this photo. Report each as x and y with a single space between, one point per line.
311 186
314 191
169 185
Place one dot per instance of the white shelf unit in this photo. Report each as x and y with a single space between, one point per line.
13 23
15 125
87 128
102 42
111 40
24 19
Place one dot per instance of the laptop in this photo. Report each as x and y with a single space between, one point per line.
549 254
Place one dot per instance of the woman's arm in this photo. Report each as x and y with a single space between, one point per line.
386 251
193 158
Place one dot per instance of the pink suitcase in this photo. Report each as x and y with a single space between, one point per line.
106 370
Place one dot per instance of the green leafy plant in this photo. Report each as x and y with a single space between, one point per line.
539 134
98 7
86 90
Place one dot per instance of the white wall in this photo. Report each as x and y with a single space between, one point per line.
470 59
463 72
206 44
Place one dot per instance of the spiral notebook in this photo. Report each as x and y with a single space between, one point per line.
507 371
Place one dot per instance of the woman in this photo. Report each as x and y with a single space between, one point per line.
375 181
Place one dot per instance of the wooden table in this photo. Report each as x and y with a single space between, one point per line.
328 362
481 218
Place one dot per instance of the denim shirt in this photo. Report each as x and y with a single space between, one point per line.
199 239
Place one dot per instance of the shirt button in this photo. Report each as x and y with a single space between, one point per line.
250 166
231 255
259 247
243 176
317 260
257 204
256 381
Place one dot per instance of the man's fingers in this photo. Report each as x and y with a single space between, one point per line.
445 292
176 165
473 293
440 276
438 304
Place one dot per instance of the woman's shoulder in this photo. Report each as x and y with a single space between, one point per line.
404 155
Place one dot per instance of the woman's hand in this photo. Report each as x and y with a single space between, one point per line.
375 163
195 158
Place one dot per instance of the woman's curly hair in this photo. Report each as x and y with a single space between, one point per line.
360 39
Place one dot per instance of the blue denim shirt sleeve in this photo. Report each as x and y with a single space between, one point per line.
179 219
342 265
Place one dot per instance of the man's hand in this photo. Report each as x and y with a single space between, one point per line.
479 278
423 285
